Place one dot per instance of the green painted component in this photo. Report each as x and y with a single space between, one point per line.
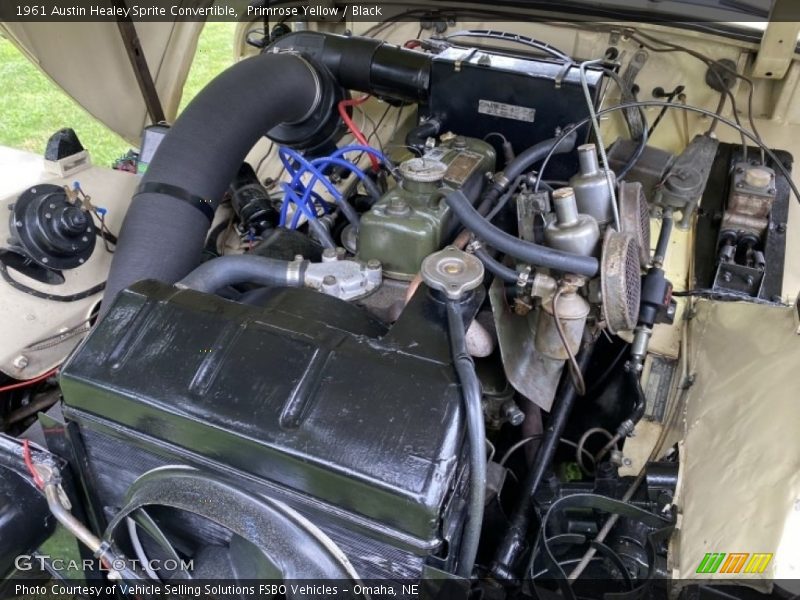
571 472
412 220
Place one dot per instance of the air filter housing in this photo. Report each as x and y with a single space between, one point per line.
620 279
634 215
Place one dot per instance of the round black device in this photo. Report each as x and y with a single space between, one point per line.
50 230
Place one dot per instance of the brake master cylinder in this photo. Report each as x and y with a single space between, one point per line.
412 220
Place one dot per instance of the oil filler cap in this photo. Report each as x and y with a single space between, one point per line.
423 170
452 272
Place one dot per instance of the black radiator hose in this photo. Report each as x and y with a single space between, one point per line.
417 136
476 434
527 252
517 539
525 161
213 275
365 64
165 228
495 267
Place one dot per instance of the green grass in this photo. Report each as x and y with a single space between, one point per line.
32 107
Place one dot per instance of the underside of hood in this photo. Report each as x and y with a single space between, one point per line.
89 61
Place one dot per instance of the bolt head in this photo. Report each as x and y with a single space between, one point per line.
329 280
20 362
329 254
373 264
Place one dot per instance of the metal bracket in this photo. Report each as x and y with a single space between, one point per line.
778 42
144 78
343 279
629 77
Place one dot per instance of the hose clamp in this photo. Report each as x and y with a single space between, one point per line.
501 180
295 272
474 246
204 205
524 277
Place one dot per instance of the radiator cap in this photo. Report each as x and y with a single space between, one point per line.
452 271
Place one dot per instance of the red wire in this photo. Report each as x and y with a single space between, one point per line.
26 455
357 133
28 382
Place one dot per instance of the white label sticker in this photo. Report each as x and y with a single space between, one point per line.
506 111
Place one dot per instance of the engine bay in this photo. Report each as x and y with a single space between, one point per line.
377 307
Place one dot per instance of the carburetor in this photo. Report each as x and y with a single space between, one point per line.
411 220
592 186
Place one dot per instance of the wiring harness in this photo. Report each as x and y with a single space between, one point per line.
299 191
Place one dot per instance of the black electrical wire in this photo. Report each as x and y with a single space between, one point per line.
720 106
646 132
713 65
644 103
637 35
103 231
17 285
670 98
594 502
523 40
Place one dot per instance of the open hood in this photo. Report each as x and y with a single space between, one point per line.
89 62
